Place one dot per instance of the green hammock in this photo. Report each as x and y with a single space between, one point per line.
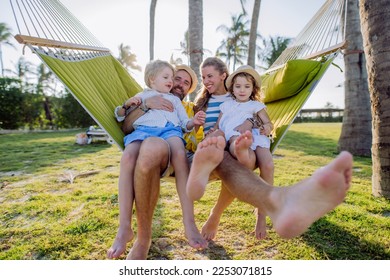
100 83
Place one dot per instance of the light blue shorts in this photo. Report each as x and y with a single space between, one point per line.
142 132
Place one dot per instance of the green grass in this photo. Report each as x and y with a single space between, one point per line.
48 213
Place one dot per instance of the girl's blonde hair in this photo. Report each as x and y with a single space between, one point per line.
153 68
255 95
203 96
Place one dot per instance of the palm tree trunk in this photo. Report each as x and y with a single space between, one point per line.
356 136
375 19
152 15
253 34
195 36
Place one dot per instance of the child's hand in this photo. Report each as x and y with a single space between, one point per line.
266 129
135 100
199 118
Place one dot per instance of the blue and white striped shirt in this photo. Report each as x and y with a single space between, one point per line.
212 112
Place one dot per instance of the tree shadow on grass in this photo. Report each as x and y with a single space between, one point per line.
309 144
334 243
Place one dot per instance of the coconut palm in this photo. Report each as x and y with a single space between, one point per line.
127 58
252 46
5 35
375 20
235 46
273 47
195 36
356 136
152 14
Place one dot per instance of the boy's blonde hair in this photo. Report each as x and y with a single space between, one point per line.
153 68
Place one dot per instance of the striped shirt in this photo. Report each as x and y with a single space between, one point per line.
212 112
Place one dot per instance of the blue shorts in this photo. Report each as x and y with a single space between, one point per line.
142 132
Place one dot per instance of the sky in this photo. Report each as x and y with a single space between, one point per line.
127 21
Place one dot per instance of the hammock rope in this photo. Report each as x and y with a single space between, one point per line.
323 34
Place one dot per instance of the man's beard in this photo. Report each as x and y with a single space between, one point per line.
178 91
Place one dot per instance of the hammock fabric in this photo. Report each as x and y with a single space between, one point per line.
100 83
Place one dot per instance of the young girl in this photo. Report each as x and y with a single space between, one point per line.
154 123
252 146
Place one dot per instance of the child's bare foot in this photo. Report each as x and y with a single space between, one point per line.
207 156
242 149
140 250
210 228
297 207
261 226
195 239
123 236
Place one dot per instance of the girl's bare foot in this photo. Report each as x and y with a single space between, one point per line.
195 239
261 226
210 228
242 149
123 236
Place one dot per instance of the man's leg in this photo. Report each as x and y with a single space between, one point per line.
225 198
180 164
152 160
291 209
126 198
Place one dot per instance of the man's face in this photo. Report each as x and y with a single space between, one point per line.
181 84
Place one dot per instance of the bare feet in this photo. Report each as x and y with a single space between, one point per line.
210 228
123 236
297 207
261 225
242 149
140 250
195 239
207 156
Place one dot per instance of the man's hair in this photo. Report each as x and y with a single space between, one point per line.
153 68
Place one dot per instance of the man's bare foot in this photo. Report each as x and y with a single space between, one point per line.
207 156
297 207
261 226
210 228
140 250
195 239
242 149
123 236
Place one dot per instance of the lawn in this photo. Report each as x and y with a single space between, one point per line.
59 201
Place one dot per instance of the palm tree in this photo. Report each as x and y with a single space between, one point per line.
46 80
127 58
272 49
234 47
152 14
356 135
195 36
253 34
375 19
5 35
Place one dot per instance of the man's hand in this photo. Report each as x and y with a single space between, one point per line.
159 103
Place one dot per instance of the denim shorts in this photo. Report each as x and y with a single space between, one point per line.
142 132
